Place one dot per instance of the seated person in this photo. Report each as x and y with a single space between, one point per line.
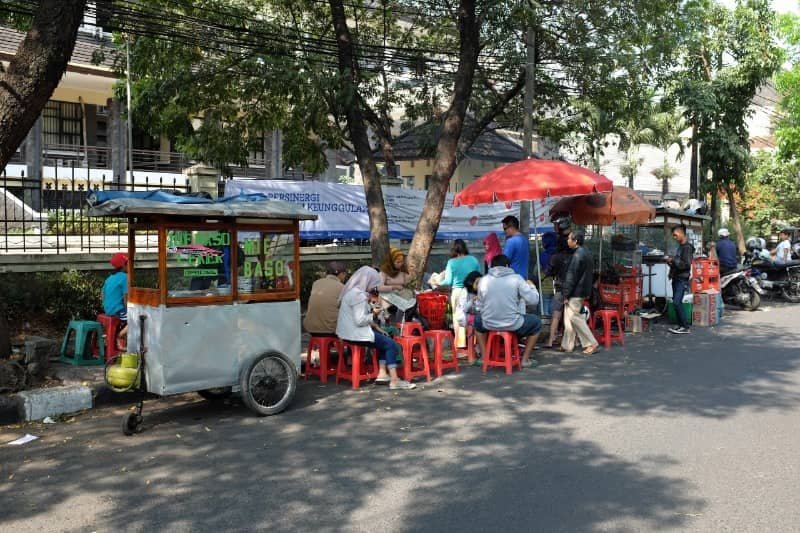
115 292
358 304
783 252
468 306
503 295
323 304
394 272
726 252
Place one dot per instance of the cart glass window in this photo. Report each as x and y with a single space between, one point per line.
198 263
145 272
267 263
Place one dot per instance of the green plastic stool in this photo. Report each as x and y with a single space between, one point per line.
83 329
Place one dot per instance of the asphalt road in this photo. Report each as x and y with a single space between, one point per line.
687 433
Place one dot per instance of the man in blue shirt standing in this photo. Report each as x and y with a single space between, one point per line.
726 252
516 247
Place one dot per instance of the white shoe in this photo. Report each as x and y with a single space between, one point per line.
401 384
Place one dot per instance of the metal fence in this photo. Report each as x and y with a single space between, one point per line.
49 216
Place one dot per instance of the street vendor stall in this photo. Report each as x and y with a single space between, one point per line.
621 287
656 237
221 312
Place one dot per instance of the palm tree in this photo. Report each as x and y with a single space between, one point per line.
668 126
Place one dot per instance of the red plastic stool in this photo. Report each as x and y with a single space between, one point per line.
359 370
410 329
415 350
111 328
323 344
607 316
502 350
438 336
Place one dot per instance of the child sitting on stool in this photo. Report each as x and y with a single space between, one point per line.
115 292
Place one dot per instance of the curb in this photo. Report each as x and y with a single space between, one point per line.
13 411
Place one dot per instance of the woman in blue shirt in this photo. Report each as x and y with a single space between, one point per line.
458 267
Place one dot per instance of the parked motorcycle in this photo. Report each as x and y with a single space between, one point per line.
740 288
779 279
774 279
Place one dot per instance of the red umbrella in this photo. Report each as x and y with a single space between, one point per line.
532 179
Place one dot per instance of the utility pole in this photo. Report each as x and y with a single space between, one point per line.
527 124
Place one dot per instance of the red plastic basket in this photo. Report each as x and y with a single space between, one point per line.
432 307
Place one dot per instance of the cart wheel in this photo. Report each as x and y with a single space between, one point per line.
212 395
130 423
269 383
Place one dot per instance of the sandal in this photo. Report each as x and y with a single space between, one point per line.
592 350
382 379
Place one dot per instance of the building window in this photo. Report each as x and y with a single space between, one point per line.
257 155
411 163
427 181
408 182
62 123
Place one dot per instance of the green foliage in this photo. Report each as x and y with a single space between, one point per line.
73 223
52 298
773 198
787 82
730 55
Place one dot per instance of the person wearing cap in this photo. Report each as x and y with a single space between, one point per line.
726 252
323 304
115 293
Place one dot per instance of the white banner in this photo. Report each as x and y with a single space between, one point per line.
342 210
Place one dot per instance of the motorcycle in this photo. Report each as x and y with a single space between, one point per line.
779 279
774 279
740 288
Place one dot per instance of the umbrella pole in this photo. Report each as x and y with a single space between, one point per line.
601 254
539 266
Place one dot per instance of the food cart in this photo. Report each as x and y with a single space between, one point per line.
220 313
657 236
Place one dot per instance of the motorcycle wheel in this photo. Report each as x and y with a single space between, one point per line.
753 302
791 293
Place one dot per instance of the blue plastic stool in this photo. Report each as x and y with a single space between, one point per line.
83 330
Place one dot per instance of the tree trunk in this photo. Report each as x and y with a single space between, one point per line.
447 147
36 69
357 128
5 336
735 220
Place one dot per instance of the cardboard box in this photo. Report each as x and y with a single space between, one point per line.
706 302
700 318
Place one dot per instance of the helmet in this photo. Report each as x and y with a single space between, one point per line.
561 221
723 232
755 243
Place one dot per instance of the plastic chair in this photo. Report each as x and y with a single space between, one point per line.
359 369
323 344
607 316
439 336
85 333
414 350
411 329
502 350
111 328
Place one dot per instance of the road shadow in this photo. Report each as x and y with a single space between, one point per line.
468 452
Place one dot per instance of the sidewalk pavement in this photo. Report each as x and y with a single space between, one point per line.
81 388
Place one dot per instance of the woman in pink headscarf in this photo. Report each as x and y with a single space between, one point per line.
492 248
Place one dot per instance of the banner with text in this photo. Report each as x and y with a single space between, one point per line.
342 210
